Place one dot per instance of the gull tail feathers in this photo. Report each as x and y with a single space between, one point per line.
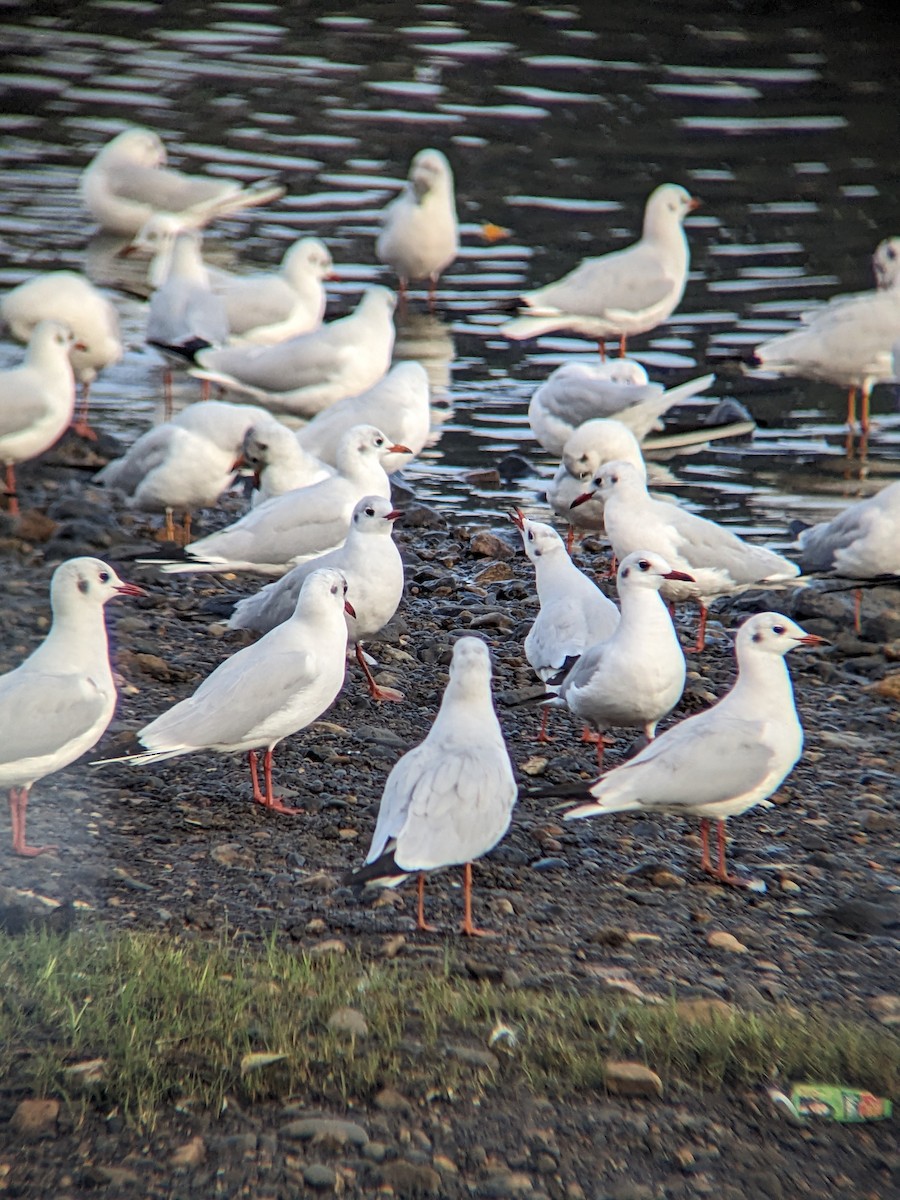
521 328
146 756
382 872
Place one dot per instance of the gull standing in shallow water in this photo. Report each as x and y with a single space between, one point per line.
574 613
727 759
419 236
263 693
127 182
450 800
37 400
370 562
717 560
636 676
626 292
58 703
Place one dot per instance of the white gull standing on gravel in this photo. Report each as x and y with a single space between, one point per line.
419 235
574 613
449 800
623 293
264 692
287 529
633 678
305 374
58 703
185 463
727 759
37 400
128 181
70 298
717 559
398 404
577 392
370 562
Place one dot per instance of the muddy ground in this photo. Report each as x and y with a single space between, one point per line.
180 847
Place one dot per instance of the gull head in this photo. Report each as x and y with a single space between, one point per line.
471 664
886 262
537 538
374 514
324 591
428 170
138 146
773 633
667 206
81 582
644 569
599 441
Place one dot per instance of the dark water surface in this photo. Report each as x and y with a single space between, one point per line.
558 121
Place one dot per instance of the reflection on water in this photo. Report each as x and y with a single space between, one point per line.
558 122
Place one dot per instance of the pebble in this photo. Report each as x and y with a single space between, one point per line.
411 1179
488 545
390 1100
704 1010
191 1154
33 1118
885 1008
505 1183
319 1176
719 939
473 1056
329 946
349 1021
321 1128
625 1078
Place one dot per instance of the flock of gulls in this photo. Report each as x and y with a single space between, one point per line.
320 519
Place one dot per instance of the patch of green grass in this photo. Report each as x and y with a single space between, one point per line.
174 1022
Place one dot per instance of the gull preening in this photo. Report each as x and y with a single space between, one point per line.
419 235
37 400
577 392
727 759
635 677
305 374
450 800
587 449
574 613
623 293
70 298
278 462
264 692
717 560
369 561
287 529
127 182
185 463
58 703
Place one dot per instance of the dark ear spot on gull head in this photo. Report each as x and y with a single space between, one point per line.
83 586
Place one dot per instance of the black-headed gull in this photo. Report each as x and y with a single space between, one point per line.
59 701
285 530
305 374
398 404
717 559
185 463
70 298
848 342
862 542
127 182
626 292
264 692
370 562
574 613
419 235
278 462
587 449
636 676
450 800
37 400
577 392
727 759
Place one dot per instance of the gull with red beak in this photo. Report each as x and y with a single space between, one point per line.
635 677
265 692
620 294
58 703
727 759
370 562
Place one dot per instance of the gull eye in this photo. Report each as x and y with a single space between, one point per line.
644 565
530 536
891 253
779 629
104 576
370 511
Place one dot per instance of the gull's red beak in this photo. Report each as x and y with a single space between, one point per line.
813 639
681 575
582 499
394 515
349 609
694 204
518 518
239 462
398 449
130 589
127 250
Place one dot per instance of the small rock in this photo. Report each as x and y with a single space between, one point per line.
703 1010
886 1008
720 940
481 479
666 879
889 687
34 1118
390 1100
329 946
473 1056
232 854
325 1128
191 1154
488 545
445 1165
479 969
536 765
319 1176
411 1179
631 1079
375 1152
349 1021
495 573
877 821
505 1183
393 945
